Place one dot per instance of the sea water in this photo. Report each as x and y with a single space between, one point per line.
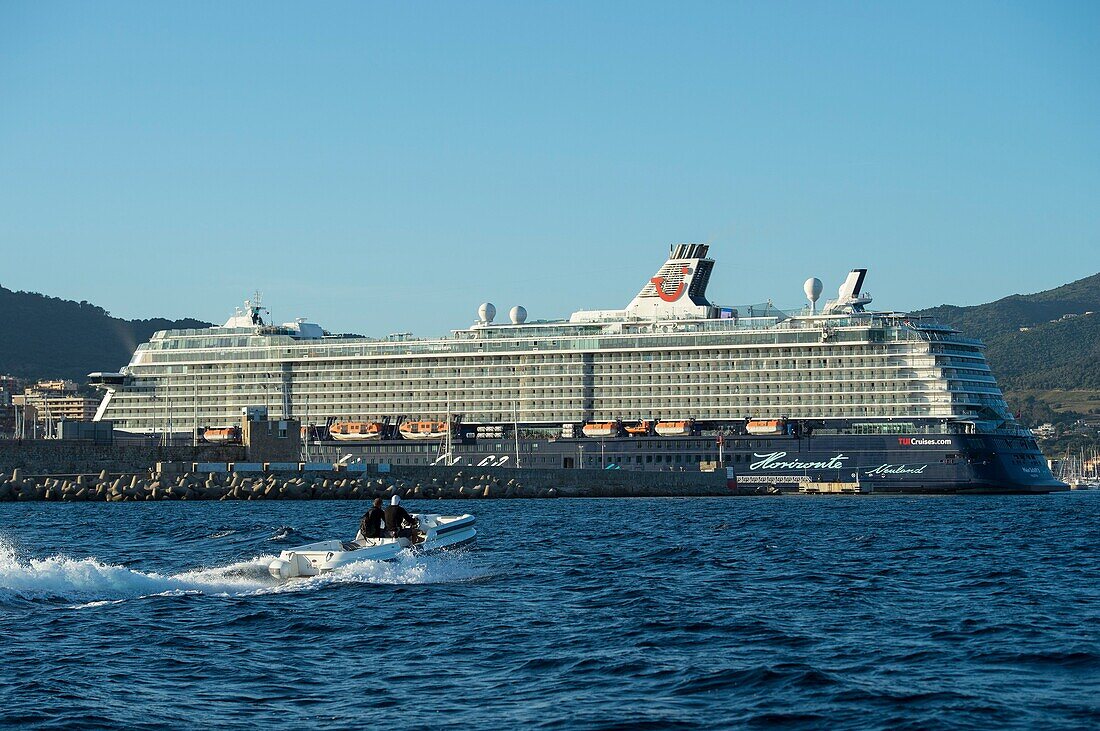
846 611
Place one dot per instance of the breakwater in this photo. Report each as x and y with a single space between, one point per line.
65 457
170 483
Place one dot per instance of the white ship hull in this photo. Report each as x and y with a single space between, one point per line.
669 355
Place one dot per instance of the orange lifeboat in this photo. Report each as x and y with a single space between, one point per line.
766 426
226 435
600 429
355 431
423 429
674 428
640 429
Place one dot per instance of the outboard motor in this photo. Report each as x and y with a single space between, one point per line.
280 569
290 567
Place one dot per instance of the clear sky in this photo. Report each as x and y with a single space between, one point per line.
383 167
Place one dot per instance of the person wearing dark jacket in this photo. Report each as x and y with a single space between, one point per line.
399 523
371 524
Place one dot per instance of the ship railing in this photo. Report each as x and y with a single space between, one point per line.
279 351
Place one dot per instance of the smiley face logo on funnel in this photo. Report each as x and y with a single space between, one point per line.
659 285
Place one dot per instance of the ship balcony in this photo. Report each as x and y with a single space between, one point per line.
105 380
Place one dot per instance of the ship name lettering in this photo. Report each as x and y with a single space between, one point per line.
897 469
774 461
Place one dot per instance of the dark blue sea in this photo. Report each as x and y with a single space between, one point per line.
815 612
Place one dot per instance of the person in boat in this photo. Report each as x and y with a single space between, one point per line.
399 524
371 524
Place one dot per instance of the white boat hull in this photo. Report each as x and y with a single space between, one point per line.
423 435
440 532
355 437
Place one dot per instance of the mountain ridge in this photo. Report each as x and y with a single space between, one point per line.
1010 313
1048 340
50 337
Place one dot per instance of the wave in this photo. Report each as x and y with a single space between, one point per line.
448 567
92 582
62 577
290 534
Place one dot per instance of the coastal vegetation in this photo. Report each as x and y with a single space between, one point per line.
49 337
1044 348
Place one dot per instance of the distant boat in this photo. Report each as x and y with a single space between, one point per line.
423 429
1081 472
674 428
355 431
224 435
766 426
600 429
640 429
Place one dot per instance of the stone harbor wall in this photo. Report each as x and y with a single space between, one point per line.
63 457
570 483
171 483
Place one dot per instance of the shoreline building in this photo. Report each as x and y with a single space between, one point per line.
9 386
42 407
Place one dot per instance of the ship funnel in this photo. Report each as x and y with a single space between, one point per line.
679 288
850 296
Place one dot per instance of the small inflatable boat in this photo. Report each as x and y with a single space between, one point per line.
436 532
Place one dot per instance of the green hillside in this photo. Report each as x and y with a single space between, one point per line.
1060 355
1043 347
1008 315
47 337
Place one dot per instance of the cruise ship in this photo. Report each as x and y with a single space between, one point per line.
833 394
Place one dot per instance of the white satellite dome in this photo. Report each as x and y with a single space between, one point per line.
486 312
813 288
518 315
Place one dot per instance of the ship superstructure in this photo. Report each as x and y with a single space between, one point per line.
669 356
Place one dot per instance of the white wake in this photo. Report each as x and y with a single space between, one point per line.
93 582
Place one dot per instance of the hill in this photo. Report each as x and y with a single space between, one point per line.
1011 313
1058 355
1045 351
47 337
1042 341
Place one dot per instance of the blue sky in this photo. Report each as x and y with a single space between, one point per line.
385 167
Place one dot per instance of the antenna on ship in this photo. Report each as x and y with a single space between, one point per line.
515 427
448 443
255 308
